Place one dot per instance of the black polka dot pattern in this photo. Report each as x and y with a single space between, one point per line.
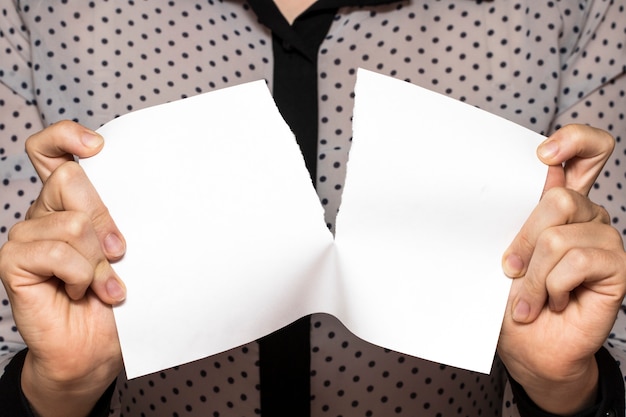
540 63
355 379
225 384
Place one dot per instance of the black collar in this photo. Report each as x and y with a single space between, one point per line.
297 34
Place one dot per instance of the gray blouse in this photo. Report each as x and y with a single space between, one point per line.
539 63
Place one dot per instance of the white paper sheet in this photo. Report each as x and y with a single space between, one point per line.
435 192
227 242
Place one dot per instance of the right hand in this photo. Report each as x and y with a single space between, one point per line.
57 273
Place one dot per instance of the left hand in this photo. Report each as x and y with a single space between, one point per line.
569 267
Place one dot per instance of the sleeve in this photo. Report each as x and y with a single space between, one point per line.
14 404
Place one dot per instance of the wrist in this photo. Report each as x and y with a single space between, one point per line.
54 395
564 396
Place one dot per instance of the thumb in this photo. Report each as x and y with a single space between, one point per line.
581 150
57 144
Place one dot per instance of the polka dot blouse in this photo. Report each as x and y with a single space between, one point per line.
539 63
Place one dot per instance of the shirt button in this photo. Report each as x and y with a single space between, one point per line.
287 47
610 413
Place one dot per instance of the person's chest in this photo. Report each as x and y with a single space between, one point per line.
109 59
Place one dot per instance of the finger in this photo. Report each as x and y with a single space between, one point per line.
558 206
74 229
555 254
592 268
69 189
555 178
58 144
33 263
581 150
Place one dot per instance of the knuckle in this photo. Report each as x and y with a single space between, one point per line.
63 178
66 173
614 238
603 215
76 224
12 256
551 241
57 252
607 140
32 209
31 144
562 200
6 253
15 232
579 259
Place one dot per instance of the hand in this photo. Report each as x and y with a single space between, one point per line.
60 143
56 269
570 270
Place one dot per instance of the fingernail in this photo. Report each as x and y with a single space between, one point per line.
521 311
91 139
548 149
513 265
115 289
113 245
